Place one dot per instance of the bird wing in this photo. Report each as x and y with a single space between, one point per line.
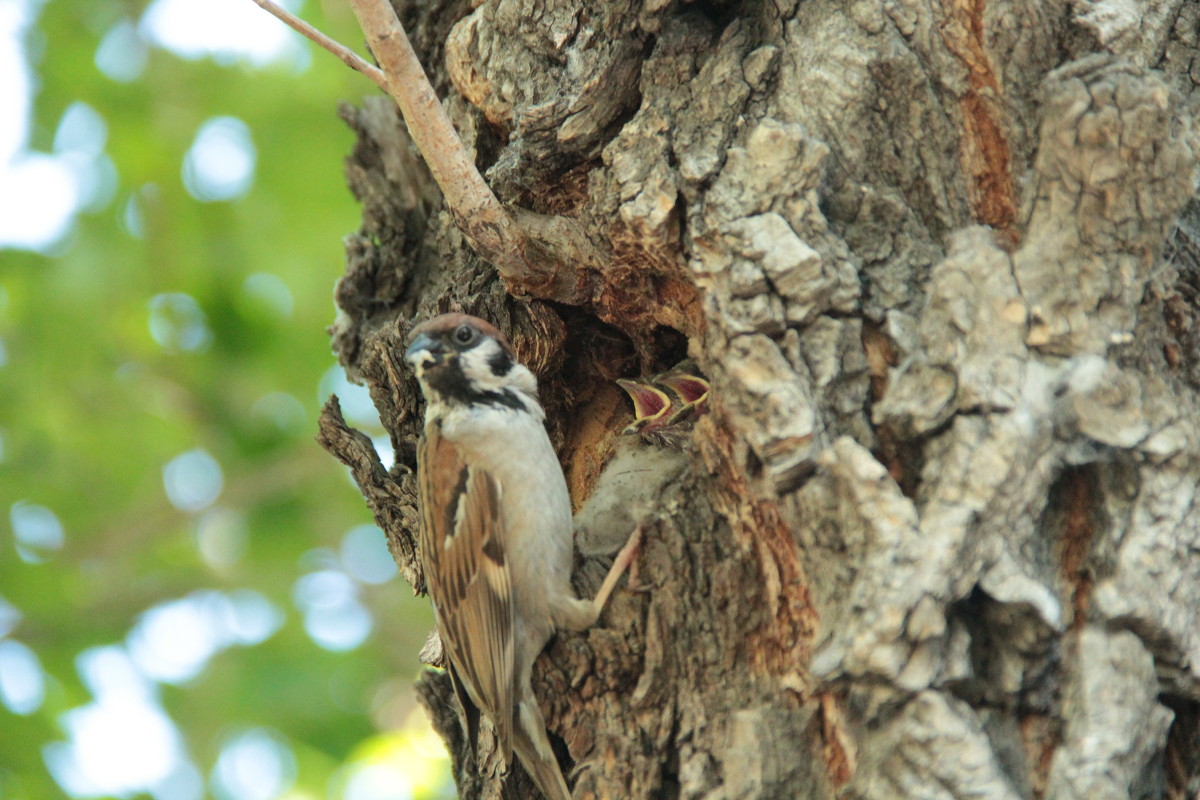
463 539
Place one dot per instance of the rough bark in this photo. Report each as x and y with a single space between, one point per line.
941 263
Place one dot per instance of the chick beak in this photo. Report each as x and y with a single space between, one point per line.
424 352
691 390
649 403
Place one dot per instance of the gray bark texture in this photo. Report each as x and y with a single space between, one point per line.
940 260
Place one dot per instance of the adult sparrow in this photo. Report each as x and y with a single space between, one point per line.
496 533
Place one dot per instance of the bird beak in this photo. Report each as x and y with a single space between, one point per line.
424 352
649 403
690 388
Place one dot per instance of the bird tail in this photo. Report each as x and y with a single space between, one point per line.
532 746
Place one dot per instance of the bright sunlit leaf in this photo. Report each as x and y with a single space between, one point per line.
117 745
122 53
223 29
357 406
220 163
22 683
365 556
193 480
254 765
178 324
333 616
173 641
37 530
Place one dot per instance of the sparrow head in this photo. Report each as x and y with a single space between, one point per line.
463 360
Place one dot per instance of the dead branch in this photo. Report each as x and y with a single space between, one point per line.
476 210
544 267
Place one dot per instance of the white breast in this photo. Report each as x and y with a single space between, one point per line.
514 447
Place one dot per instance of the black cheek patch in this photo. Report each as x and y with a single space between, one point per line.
501 363
449 382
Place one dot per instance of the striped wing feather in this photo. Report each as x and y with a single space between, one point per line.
467 575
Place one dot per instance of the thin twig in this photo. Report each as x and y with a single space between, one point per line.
493 233
476 210
348 56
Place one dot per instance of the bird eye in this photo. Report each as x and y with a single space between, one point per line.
464 334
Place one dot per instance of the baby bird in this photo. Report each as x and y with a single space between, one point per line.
665 406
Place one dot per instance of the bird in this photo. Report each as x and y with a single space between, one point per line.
689 389
666 405
651 406
496 534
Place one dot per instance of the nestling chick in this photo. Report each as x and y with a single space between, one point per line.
690 390
666 405
496 532
651 406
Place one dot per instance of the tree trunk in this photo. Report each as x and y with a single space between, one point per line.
941 263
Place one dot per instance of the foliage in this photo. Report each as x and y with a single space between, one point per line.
109 372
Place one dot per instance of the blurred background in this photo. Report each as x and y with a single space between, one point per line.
194 601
